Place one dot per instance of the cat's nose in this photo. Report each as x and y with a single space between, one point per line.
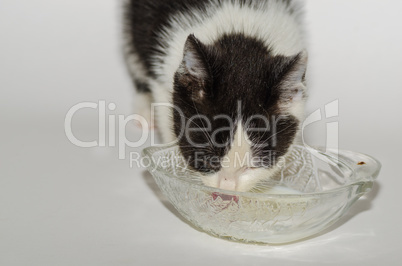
227 182
229 178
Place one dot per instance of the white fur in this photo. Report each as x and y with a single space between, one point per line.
236 171
268 21
142 102
134 65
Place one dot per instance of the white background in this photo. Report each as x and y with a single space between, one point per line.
65 205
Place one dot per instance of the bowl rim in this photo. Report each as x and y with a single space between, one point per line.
364 182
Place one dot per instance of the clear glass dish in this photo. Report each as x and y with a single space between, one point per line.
310 193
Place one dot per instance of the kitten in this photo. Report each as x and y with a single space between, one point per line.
233 72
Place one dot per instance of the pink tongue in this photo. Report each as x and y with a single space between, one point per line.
225 197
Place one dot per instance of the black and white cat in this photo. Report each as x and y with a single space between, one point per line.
233 73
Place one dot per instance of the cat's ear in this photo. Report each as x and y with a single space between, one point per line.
194 69
293 85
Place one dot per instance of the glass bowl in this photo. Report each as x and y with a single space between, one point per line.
312 191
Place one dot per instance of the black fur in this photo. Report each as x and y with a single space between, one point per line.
144 19
241 70
142 86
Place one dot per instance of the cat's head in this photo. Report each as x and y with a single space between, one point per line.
238 109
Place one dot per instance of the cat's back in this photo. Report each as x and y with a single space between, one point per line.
145 19
157 29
